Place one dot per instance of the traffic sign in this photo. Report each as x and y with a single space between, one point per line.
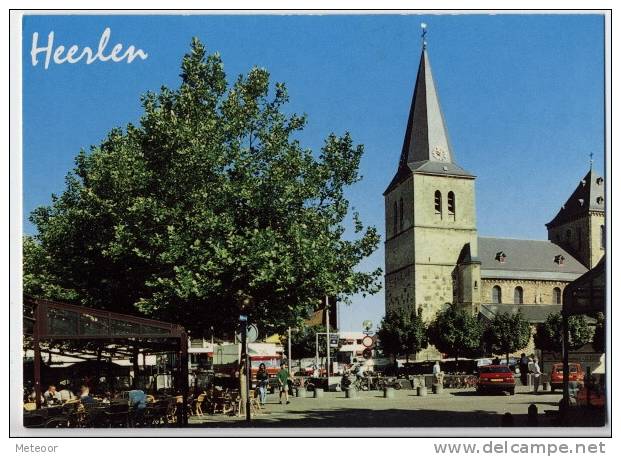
252 334
367 341
367 325
334 340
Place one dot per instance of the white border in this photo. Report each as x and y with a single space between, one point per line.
15 327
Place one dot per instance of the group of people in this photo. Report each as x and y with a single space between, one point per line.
52 396
283 377
530 365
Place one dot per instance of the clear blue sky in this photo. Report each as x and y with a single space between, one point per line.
523 98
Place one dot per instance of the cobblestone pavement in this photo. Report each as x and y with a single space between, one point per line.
452 408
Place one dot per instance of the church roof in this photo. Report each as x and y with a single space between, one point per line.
588 196
426 145
508 258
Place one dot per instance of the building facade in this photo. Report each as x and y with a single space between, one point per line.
433 254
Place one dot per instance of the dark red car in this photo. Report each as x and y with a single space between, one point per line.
495 378
556 376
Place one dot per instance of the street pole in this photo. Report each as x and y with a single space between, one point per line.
328 341
244 323
289 349
317 350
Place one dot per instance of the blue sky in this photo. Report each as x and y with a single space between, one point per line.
523 97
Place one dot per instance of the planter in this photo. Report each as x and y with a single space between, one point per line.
421 391
301 392
318 393
389 392
437 388
351 393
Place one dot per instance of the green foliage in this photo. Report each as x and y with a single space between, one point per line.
549 334
507 333
210 199
303 341
456 332
402 333
599 333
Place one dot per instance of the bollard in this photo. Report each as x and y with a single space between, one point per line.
389 392
533 418
351 392
507 420
301 392
318 393
421 391
437 388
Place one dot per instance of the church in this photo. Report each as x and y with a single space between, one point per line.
433 253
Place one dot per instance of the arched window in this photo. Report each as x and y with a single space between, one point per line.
556 296
451 203
401 214
438 202
518 295
496 294
394 218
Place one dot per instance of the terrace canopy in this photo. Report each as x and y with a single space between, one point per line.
92 331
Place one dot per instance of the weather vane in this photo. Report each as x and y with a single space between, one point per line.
424 34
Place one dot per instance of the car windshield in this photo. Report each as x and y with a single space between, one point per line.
494 369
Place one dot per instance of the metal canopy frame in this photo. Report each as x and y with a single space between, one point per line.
57 321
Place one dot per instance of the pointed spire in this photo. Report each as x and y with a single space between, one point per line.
426 146
426 136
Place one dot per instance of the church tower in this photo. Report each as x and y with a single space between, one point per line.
431 235
579 225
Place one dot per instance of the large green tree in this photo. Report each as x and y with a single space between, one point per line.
209 203
402 333
507 333
549 334
456 332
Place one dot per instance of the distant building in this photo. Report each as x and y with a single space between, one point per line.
433 253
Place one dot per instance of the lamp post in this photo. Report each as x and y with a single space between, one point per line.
243 319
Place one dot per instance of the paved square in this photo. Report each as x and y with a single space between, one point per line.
452 408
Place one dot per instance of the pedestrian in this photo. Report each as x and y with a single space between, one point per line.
283 380
524 369
242 386
262 382
536 374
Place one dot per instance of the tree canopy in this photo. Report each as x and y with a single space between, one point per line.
456 332
402 333
208 203
507 333
549 334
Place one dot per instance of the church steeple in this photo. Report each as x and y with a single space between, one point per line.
426 136
426 146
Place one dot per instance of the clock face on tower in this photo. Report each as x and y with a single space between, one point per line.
440 154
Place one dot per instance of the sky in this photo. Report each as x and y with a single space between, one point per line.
522 95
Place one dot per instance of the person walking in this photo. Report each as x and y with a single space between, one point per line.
262 382
536 375
524 369
283 379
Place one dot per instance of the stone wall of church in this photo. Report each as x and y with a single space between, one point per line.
399 290
582 237
534 291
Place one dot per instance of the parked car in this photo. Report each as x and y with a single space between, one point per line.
576 374
495 378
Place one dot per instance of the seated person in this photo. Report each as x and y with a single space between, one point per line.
51 396
137 399
85 395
